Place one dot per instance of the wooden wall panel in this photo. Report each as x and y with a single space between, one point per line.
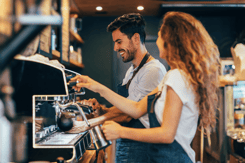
5 23
65 10
45 35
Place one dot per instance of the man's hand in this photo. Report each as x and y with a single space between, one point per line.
97 107
78 127
112 130
86 82
91 102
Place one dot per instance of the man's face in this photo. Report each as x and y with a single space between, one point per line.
124 46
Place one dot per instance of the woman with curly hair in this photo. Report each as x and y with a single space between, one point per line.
187 92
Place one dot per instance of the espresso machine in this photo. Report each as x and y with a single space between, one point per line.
44 95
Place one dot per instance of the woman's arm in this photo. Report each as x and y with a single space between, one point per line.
132 108
163 134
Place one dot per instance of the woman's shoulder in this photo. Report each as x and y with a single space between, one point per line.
176 73
177 77
178 81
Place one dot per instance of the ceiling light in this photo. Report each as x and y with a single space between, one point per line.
99 8
140 8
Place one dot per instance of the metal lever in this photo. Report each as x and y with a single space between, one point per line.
68 78
73 83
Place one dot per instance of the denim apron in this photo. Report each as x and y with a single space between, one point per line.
129 151
163 153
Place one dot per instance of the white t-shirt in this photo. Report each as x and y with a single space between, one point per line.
145 81
189 116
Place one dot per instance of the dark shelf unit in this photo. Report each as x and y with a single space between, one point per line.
57 54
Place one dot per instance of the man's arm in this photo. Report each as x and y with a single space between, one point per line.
111 113
115 114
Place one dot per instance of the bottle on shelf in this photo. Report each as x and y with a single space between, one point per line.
53 43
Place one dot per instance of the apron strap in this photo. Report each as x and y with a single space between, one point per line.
158 94
141 65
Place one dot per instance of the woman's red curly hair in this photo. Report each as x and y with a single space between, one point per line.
190 48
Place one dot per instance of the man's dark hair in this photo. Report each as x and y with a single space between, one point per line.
129 24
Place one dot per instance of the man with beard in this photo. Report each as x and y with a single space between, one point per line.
145 73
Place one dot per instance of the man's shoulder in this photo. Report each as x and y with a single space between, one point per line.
155 65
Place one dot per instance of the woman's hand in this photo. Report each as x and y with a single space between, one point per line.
86 82
112 130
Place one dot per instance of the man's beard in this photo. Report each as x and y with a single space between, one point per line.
130 54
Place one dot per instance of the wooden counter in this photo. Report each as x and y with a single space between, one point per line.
88 157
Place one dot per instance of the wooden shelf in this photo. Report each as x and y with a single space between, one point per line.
75 63
75 36
73 7
56 55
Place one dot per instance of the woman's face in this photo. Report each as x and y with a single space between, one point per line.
160 46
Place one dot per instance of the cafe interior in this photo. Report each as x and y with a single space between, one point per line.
44 43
